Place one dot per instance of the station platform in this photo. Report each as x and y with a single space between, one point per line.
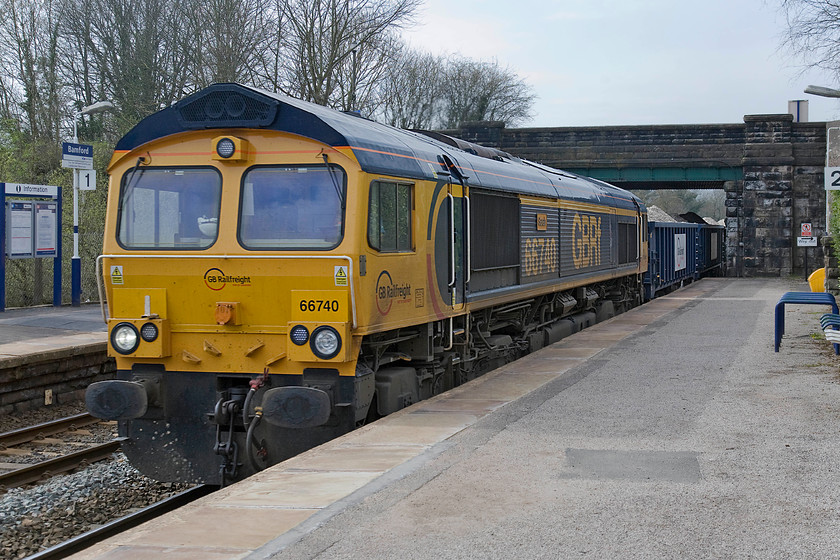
35 330
670 431
39 334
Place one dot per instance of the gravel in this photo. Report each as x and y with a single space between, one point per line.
17 420
37 517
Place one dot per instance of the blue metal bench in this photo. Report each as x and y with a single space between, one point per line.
806 298
830 323
830 320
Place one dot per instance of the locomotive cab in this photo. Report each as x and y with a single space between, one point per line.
229 291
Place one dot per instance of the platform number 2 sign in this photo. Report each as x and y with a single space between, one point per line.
832 178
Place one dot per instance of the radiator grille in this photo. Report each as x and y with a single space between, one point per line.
226 108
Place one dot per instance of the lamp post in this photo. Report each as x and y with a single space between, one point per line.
831 159
822 91
76 262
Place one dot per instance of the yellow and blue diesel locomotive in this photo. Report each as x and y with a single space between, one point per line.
277 273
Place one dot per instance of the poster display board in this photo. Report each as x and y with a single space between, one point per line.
30 227
20 226
46 226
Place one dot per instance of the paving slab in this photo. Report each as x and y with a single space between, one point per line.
687 437
48 333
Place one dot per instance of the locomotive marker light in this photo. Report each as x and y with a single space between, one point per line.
229 148
299 335
83 160
225 148
149 332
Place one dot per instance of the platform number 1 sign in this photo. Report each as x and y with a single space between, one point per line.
832 178
87 180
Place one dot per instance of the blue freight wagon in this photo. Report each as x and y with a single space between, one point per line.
682 252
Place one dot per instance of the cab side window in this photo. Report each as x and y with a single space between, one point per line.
389 217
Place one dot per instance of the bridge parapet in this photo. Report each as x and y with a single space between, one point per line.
770 167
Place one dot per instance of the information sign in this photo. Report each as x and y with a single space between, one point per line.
76 156
19 229
21 189
46 218
806 241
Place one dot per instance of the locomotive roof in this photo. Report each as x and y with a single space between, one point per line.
378 148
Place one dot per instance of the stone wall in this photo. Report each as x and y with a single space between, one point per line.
782 164
66 373
583 147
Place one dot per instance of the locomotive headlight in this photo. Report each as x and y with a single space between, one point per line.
125 338
225 148
149 332
325 343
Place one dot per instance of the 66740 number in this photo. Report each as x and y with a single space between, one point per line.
313 305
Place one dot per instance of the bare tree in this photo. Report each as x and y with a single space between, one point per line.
360 78
411 90
426 91
29 43
227 38
79 68
813 32
323 36
137 53
484 91
269 69
9 112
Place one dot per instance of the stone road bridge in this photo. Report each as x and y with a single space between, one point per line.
770 167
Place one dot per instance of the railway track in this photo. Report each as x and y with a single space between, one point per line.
31 433
28 473
85 540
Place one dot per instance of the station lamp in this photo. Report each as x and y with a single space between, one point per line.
76 262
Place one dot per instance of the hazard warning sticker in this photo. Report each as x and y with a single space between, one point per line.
116 275
341 276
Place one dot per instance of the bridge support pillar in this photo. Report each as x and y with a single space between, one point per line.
778 194
761 242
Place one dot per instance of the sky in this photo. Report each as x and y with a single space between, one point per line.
632 62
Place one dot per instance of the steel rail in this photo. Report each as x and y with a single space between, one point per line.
24 435
35 472
85 540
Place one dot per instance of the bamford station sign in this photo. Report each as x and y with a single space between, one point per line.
76 156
